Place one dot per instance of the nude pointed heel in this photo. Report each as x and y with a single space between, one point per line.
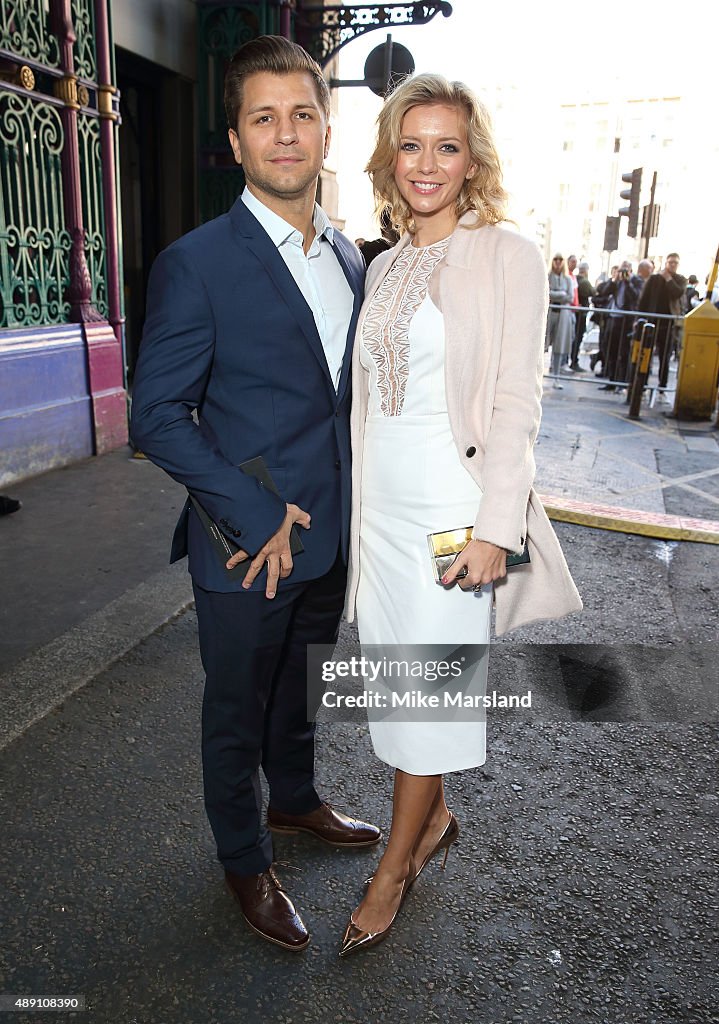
448 838
356 938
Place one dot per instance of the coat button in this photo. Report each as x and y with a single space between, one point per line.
223 522
237 533
338 464
470 451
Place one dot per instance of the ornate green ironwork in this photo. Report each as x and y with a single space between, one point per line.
83 20
93 216
222 29
24 30
323 29
219 189
34 245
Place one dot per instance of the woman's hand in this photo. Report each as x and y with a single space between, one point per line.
485 563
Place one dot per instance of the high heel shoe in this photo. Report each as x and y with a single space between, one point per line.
356 938
448 837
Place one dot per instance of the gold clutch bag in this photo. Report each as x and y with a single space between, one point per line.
445 546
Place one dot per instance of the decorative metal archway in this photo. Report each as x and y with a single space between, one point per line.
324 30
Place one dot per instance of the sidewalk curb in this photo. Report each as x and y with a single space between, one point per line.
626 520
37 684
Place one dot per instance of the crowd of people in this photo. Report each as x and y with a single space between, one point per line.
611 303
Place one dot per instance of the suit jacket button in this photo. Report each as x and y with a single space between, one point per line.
223 522
338 464
237 533
470 451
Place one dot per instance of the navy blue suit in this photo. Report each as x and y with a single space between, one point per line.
229 336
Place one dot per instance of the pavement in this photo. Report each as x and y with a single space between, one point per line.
583 886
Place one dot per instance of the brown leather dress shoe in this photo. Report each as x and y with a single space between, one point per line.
327 824
267 909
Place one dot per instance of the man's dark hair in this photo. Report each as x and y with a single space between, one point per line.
673 256
277 55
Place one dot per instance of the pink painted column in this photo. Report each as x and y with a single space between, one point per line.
80 291
108 118
104 347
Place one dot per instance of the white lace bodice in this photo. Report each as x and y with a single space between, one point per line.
387 346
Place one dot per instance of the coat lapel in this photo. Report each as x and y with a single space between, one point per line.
464 287
259 243
356 283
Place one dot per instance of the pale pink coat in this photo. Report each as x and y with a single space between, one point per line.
492 290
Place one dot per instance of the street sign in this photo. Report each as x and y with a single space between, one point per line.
386 65
650 221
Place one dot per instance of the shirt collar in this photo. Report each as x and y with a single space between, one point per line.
280 230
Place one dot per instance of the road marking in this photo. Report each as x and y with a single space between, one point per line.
627 520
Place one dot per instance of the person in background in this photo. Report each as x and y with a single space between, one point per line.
623 293
560 322
585 291
692 296
371 250
572 275
645 269
601 301
664 293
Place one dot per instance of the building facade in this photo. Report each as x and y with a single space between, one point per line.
113 143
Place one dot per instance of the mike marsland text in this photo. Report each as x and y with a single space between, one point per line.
418 699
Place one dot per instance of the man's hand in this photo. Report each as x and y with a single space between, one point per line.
485 563
276 553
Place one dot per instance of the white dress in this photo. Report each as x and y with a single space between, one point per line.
413 483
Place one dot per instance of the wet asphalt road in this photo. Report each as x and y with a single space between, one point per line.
583 888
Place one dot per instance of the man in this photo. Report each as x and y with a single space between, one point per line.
585 290
601 301
645 269
663 293
250 323
571 273
692 296
622 292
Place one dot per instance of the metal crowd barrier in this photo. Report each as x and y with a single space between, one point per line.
616 329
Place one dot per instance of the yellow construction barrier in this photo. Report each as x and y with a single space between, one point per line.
699 364
698 374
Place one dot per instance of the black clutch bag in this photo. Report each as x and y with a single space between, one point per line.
225 547
445 546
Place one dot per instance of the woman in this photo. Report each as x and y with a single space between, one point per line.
442 436
560 322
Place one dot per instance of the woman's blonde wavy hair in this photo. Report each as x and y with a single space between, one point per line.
482 193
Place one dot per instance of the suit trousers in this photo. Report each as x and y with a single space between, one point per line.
663 344
579 330
615 358
254 711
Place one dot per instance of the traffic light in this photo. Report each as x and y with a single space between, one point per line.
633 194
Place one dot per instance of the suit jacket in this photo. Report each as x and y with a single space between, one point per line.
662 296
229 337
492 290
